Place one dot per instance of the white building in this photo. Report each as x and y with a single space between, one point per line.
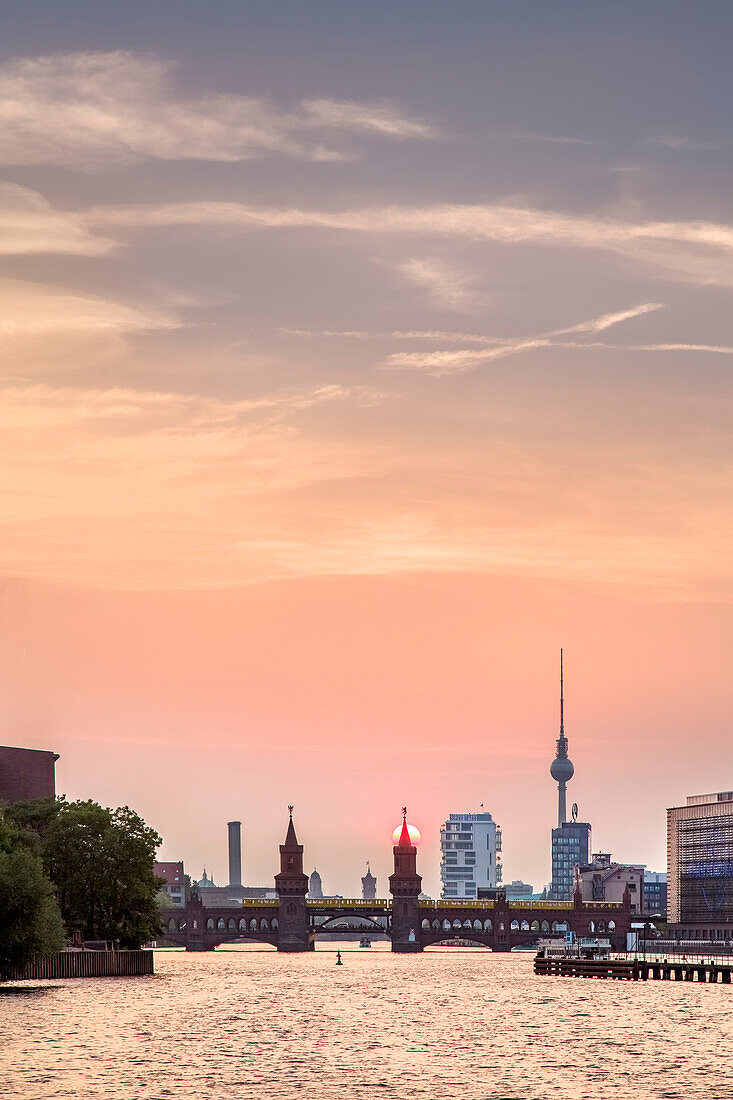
469 845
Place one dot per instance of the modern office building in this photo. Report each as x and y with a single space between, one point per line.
174 881
654 897
571 839
26 774
470 847
604 880
368 885
700 865
571 844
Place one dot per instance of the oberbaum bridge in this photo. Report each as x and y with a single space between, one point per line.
292 921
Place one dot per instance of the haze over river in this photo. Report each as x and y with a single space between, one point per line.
451 1024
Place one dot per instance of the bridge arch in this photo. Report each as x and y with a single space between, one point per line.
371 921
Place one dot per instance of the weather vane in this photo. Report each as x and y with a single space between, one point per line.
404 812
290 811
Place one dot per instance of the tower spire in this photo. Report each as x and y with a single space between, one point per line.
561 768
562 700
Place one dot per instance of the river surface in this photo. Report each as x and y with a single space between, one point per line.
451 1024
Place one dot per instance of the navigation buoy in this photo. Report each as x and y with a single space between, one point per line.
339 961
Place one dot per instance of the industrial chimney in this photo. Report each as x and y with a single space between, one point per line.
235 853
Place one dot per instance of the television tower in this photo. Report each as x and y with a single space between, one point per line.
561 768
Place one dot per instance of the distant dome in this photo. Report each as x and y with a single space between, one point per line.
206 882
561 769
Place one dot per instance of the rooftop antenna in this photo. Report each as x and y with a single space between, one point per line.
562 700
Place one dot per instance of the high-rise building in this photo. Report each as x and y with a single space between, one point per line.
571 839
469 854
700 863
26 774
234 829
369 885
571 844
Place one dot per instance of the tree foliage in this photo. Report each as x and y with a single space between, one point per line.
101 863
31 926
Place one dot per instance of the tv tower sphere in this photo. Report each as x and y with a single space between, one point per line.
561 769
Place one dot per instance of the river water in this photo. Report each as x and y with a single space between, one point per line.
451 1024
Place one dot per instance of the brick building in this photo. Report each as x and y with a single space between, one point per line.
27 774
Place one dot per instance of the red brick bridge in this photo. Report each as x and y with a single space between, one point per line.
292 922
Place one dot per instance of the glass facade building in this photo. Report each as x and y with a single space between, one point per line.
470 846
700 860
571 845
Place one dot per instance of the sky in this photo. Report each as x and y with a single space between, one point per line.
354 359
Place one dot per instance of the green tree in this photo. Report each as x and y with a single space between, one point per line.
30 922
34 817
101 863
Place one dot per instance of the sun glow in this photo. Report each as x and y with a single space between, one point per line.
415 834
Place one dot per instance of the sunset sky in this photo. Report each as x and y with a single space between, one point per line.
355 358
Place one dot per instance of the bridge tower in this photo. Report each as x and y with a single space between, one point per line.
405 885
292 886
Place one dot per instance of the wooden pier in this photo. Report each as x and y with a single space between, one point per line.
635 969
86 964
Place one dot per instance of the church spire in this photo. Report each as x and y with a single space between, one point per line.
404 841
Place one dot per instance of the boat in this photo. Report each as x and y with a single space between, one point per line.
365 942
588 947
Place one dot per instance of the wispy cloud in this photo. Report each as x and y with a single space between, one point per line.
461 360
160 472
187 490
28 225
45 328
397 334
697 251
90 110
446 286
554 139
607 320
684 144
